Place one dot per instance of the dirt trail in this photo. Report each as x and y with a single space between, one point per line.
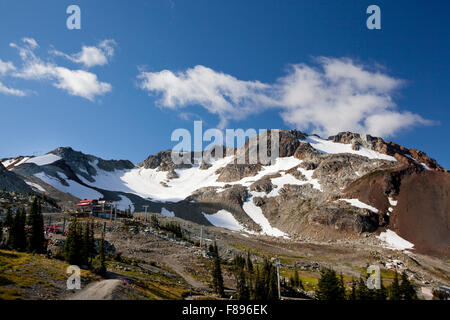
175 265
101 290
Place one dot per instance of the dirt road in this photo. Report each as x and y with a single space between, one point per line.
110 289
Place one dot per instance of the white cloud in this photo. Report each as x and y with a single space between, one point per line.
5 67
91 56
219 93
11 91
76 82
31 42
331 96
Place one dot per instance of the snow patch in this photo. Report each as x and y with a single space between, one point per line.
224 219
74 188
256 214
125 204
167 213
308 175
392 202
394 241
35 185
425 167
43 160
327 146
280 182
360 204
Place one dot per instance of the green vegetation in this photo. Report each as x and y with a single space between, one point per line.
25 234
332 287
216 273
21 270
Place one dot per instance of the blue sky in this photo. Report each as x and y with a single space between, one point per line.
259 59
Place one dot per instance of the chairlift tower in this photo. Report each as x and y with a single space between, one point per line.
145 214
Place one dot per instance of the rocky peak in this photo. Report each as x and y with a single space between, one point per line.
402 154
78 160
163 161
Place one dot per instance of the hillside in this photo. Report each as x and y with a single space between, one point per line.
343 187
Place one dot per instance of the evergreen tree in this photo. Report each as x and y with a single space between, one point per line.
272 290
1 232
394 290
36 222
352 295
249 263
217 278
362 292
18 240
259 293
73 244
381 294
101 249
85 247
406 288
9 220
342 287
329 287
242 289
296 278
91 241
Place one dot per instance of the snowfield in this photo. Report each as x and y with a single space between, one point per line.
360 204
43 160
148 183
74 188
256 214
326 146
224 219
394 241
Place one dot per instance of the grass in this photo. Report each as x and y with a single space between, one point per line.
152 285
21 271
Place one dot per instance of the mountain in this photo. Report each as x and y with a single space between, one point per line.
12 182
342 187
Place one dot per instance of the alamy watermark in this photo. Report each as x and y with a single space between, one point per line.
374 279
74 20
261 147
374 20
74 280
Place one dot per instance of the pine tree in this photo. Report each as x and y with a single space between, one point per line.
85 247
17 237
73 244
296 278
249 263
9 220
394 290
36 222
242 289
352 295
329 287
406 288
91 241
217 278
1 232
362 292
342 287
272 290
101 249
259 293
381 294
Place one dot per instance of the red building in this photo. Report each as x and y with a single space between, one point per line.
98 208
